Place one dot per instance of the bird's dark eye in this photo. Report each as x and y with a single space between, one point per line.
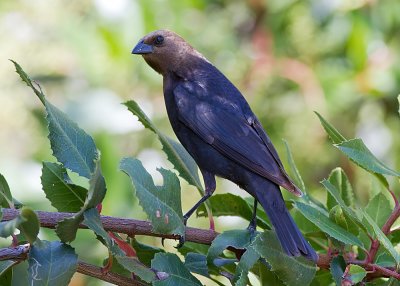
159 40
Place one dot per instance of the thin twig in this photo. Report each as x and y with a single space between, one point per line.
386 230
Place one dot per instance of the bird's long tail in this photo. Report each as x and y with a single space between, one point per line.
290 237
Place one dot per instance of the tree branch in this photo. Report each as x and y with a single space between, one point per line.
130 227
133 227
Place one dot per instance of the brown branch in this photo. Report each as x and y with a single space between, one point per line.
17 253
130 227
97 272
133 227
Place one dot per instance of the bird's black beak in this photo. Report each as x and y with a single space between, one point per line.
142 48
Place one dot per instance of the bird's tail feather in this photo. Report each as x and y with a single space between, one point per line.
290 237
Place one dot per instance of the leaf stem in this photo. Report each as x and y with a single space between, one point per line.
386 230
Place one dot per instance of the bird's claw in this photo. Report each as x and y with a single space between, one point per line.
182 238
181 242
252 228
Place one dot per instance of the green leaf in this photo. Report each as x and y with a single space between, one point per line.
356 150
235 238
337 215
51 263
340 181
27 221
67 228
326 225
178 274
135 266
334 135
293 168
247 261
6 199
291 270
382 238
7 228
63 195
175 152
268 277
6 272
193 247
30 225
145 252
379 209
354 216
70 144
25 78
93 221
197 263
162 204
337 267
231 205
356 273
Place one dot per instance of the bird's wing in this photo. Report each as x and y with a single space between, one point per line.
228 131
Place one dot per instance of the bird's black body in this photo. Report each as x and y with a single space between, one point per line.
215 124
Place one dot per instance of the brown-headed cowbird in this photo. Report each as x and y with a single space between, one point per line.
215 124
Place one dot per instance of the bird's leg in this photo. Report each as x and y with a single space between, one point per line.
210 184
253 222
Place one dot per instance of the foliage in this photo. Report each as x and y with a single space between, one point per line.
342 225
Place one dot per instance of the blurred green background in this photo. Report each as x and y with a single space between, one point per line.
289 58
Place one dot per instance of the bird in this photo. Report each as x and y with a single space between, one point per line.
217 127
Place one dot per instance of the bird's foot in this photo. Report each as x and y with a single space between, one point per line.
182 238
252 228
181 241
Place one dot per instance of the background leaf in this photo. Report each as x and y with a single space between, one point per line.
337 267
334 135
197 263
247 261
6 199
234 238
326 225
6 272
379 209
291 270
92 220
179 275
356 150
44 263
135 266
162 204
293 168
63 195
70 144
67 228
356 273
30 225
177 155
340 181
145 252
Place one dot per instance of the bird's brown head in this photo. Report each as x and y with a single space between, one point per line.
165 51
